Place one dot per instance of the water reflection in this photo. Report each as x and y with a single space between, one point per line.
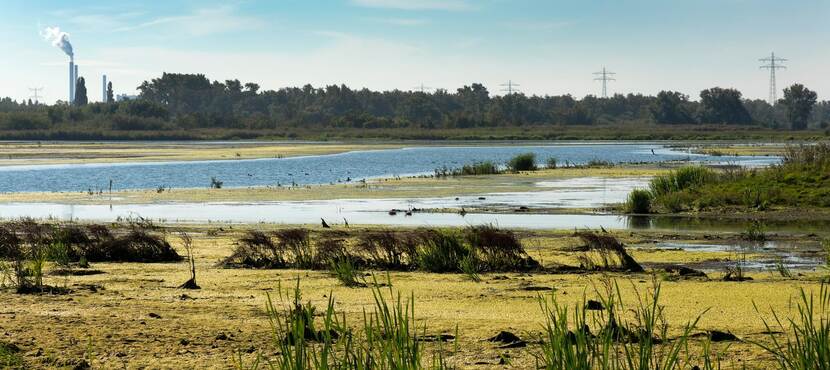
361 212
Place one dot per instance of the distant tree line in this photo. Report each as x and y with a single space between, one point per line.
191 101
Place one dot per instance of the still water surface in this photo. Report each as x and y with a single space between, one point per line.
324 169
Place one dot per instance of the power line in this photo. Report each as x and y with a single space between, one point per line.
604 77
510 87
772 63
422 88
35 93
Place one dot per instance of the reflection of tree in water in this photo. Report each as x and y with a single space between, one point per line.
639 222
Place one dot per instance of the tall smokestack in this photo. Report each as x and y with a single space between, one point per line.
60 40
75 83
104 89
71 80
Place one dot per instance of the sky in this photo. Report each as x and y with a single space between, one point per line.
547 47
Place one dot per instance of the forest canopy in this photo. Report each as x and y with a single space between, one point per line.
192 101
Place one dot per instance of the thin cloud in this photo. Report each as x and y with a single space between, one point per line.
202 22
538 26
404 22
454 5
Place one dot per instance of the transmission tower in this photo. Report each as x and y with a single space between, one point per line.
35 93
772 63
422 88
604 76
510 87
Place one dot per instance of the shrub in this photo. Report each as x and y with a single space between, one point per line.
441 251
681 179
674 202
639 201
551 162
480 168
522 162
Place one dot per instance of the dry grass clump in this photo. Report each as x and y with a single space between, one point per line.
389 249
497 249
606 253
137 245
480 248
331 246
26 246
296 247
288 248
255 249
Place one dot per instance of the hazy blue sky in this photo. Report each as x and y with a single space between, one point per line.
547 46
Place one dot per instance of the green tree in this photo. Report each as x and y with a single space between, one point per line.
252 87
719 105
799 101
110 95
671 107
80 92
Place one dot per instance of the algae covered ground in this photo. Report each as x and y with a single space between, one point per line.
134 315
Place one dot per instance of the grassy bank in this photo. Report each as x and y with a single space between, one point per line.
802 182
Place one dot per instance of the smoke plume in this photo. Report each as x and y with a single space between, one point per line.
58 39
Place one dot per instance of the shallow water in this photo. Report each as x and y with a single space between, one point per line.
799 255
324 169
368 212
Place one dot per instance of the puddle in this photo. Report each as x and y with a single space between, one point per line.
796 255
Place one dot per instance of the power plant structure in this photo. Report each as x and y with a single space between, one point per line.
73 79
104 89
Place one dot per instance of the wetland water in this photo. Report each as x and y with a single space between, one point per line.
563 194
325 169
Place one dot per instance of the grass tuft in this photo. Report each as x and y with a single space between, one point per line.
522 162
638 202
807 336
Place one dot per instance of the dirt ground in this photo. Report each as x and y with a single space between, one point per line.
131 315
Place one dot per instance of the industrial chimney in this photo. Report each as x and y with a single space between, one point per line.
71 80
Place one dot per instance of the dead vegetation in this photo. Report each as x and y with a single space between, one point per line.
605 253
486 247
26 246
